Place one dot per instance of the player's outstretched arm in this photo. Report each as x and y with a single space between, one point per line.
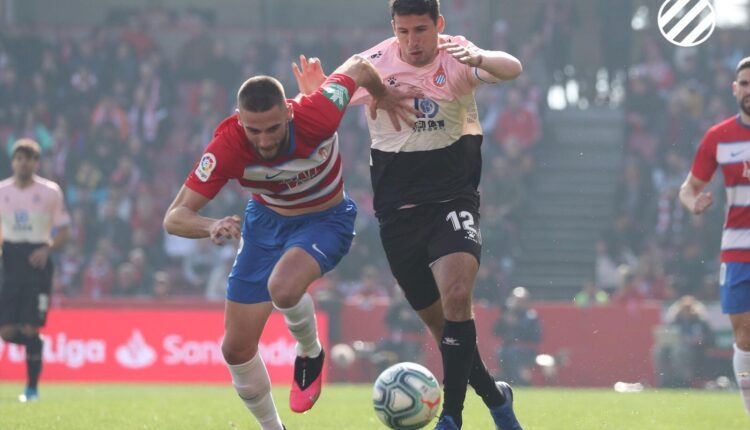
390 99
492 66
182 219
693 197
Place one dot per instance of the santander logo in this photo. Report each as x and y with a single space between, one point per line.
135 353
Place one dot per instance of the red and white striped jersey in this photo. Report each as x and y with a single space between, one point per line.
307 175
727 144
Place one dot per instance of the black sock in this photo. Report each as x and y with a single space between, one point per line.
483 383
457 347
34 360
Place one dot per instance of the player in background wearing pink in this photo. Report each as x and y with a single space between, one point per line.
297 226
34 223
727 145
425 178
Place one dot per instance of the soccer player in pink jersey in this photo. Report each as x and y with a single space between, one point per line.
31 209
298 224
425 179
727 145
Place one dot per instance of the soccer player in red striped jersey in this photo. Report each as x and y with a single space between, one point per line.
727 145
298 225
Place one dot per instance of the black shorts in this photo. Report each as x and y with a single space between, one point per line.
24 297
415 238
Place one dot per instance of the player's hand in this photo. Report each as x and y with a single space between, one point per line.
38 258
462 54
225 228
702 202
397 104
309 74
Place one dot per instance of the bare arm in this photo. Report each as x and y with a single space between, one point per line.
693 197
39 257
182 219
389 99
492 66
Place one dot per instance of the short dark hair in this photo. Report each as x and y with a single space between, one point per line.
416 7
260 93
26 147
743 64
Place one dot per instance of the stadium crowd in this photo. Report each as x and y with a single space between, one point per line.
120 119
121 116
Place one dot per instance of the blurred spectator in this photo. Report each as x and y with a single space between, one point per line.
628 294
162 285
127 283
590 295
98 277
681 343
404 339
521 333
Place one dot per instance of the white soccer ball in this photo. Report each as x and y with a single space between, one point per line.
406 396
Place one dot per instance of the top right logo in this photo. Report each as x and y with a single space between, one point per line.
687 23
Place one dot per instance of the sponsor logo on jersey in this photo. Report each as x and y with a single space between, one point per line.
427 108
205 167
376 55
391 80
338 94
439 79
135 353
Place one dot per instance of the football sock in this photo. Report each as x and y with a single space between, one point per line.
253 385
300 319
34 360
741 362
483 383
457 346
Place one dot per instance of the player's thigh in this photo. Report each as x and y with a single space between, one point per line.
291 276
243 326
404 236
455 247
325 236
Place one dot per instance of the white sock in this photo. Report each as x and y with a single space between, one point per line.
741 362
300 319
254 388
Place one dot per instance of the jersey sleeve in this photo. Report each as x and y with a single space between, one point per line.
318 115
704 163
211 172
60 216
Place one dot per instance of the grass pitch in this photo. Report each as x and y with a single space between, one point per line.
166 407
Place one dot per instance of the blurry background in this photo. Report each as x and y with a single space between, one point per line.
583 158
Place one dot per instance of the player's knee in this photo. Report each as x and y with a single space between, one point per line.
282 295
7 332
456 296
237 354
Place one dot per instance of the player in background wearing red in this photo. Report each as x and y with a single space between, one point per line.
727 145
425 178
34 223
297 226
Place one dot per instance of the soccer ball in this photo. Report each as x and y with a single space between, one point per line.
406 396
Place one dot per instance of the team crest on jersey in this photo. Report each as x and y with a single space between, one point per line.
205 167
391 80
376 55
439 79
338 94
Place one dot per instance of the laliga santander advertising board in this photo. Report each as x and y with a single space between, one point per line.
147 346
